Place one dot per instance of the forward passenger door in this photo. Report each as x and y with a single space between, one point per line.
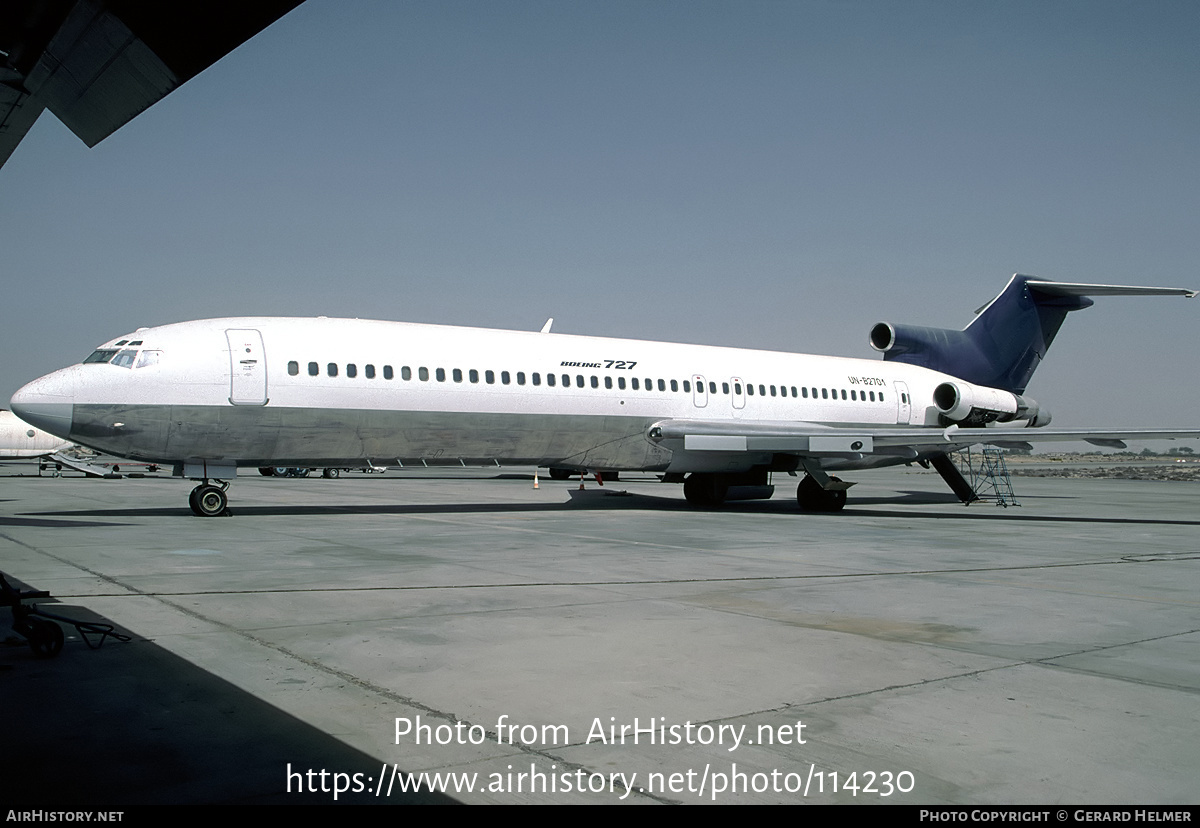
247 367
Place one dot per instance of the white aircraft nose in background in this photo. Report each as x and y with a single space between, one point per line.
21 440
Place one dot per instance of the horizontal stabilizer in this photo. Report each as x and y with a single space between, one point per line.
1081 289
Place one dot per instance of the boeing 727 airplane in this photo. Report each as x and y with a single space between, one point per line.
214 395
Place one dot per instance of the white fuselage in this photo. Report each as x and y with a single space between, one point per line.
261 391
20 440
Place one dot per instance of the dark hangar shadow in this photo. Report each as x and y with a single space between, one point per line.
131 724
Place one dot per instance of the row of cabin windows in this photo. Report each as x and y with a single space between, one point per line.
635 383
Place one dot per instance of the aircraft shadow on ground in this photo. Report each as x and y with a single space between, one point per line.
617 500
131 724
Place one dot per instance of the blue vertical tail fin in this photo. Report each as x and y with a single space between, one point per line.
1007 340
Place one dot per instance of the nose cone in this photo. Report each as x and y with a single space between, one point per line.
48 403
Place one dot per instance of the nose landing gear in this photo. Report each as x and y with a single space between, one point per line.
209 500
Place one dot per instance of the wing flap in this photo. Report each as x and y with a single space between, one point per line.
810 439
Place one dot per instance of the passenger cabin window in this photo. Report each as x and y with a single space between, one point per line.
294 368
423 374
369 370
352 370
313 369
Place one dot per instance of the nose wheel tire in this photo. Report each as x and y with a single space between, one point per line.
208 501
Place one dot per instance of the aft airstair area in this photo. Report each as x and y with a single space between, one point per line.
987 473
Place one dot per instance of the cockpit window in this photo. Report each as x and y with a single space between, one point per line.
127 358
147 358
100 355
124 359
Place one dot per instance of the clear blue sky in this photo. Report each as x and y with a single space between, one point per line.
763 174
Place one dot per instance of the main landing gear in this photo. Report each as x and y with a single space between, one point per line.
706 490
812 498
816 493
209 500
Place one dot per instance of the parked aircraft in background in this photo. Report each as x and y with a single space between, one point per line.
20 440
214 395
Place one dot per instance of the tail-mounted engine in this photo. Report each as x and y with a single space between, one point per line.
974 405
895 340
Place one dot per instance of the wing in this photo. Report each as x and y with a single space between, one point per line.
812 440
